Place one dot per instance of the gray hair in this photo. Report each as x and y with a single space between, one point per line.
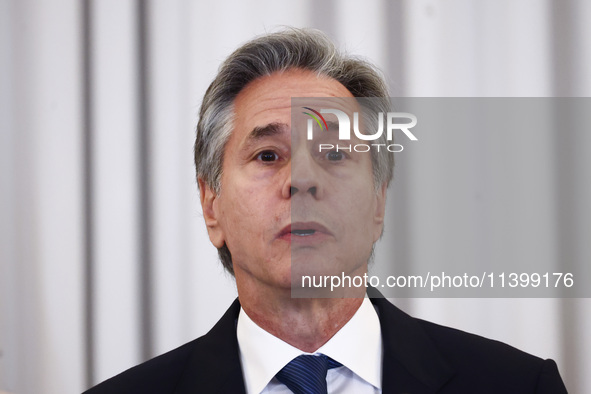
306 49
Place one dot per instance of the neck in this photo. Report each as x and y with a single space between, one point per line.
305 323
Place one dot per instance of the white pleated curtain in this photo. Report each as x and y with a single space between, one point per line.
104 258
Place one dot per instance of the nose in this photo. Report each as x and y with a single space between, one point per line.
304 178
293 190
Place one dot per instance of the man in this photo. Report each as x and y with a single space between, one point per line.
272 206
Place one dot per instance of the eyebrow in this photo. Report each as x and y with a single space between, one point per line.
270 130
332 125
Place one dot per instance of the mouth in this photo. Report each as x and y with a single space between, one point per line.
303 230
303 233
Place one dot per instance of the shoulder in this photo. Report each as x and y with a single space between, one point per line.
460 345
158 375
482 361
470 361
205 364
466 349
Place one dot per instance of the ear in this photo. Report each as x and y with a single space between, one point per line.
210 206
380 211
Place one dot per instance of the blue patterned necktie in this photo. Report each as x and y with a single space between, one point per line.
306 374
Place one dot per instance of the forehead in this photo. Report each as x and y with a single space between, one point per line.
268 99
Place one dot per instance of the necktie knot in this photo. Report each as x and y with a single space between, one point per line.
306 374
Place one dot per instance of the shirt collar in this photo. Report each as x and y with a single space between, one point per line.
357 345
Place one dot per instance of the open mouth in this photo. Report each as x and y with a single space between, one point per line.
304 229
303 233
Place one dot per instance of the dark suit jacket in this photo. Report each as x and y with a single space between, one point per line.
419 357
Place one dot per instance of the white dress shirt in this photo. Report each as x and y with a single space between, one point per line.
357 345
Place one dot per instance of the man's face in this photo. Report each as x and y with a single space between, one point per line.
281 202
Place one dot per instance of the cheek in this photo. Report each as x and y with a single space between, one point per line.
245 214
363 210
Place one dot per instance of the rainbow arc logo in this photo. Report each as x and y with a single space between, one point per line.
315 117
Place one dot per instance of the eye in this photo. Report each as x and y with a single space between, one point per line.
333 155
267 156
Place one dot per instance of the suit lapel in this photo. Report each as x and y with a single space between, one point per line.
412 363
214 365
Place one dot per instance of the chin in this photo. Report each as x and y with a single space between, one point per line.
283 278
317 266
